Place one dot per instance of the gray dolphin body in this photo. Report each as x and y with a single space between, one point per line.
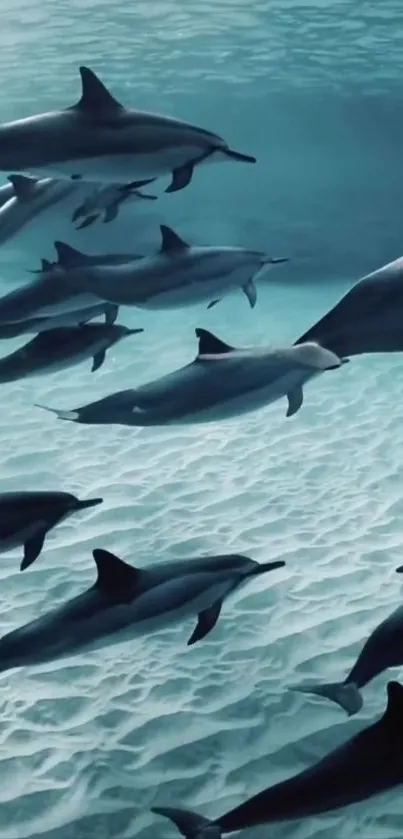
31 198
127 602
177 276
51 295
106 201
368 318
76 318
55 349
366 765
222 382
43 297
27 517
100 140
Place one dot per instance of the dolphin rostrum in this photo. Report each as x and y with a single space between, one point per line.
220 383
126 602
107 200
366 765
368 318
98 139
56 349
178 275
27 517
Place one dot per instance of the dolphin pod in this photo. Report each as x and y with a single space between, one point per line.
221 382
84 163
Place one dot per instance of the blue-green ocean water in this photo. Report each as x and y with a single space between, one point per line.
315 91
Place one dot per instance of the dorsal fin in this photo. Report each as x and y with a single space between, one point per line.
209 344
115 575
171 241
95 97
23 187
69 257
394 708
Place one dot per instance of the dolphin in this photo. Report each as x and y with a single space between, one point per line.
98 139
126 602
366 765
178 275
43 297
27 517
220 383
368 318
56 349
50 294
383 649
107 200
30 198
36 325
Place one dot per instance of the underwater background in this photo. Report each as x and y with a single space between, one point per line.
315 91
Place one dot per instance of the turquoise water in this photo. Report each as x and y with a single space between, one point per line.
89 745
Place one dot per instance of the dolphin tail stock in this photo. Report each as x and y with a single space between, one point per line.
191 825
345 694
73 416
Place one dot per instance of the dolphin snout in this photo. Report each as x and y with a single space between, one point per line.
90 502
274 260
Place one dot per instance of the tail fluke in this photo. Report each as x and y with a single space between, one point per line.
190 825
73 416
346 695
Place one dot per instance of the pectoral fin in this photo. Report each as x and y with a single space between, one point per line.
249 290
181 178
295 399
111 313
111 213
87 222
32 549
99 359
206 622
